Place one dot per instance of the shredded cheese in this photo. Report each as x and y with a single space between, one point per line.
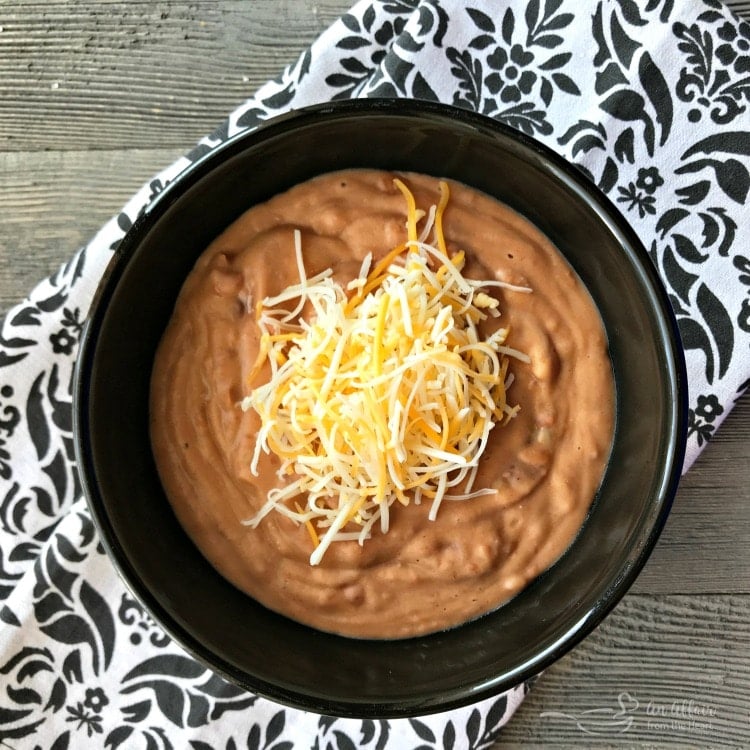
381 397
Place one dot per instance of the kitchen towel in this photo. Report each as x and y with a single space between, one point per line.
648 98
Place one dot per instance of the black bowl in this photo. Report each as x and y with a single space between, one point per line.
263 651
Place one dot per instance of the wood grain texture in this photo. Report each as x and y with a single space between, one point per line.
741 8
95 97
52 202
651 657
148 74
705 545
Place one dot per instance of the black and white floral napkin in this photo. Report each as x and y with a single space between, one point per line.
650 98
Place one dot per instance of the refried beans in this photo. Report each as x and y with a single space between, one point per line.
544 465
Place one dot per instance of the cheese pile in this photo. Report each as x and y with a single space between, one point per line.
386 393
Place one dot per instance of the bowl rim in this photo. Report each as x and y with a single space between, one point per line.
669 471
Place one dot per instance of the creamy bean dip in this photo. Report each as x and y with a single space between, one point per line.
544 466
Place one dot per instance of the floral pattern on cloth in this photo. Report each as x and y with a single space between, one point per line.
648 98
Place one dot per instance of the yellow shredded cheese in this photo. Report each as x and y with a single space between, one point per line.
385 396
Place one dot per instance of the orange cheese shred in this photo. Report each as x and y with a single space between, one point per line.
386 393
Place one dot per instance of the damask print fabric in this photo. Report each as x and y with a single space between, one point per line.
649 98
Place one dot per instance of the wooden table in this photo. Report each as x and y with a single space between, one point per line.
95 97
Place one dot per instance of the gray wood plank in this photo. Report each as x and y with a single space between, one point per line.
740 7
653 655
705 546
87 74
53 202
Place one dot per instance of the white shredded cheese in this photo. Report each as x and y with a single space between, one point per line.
383 396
